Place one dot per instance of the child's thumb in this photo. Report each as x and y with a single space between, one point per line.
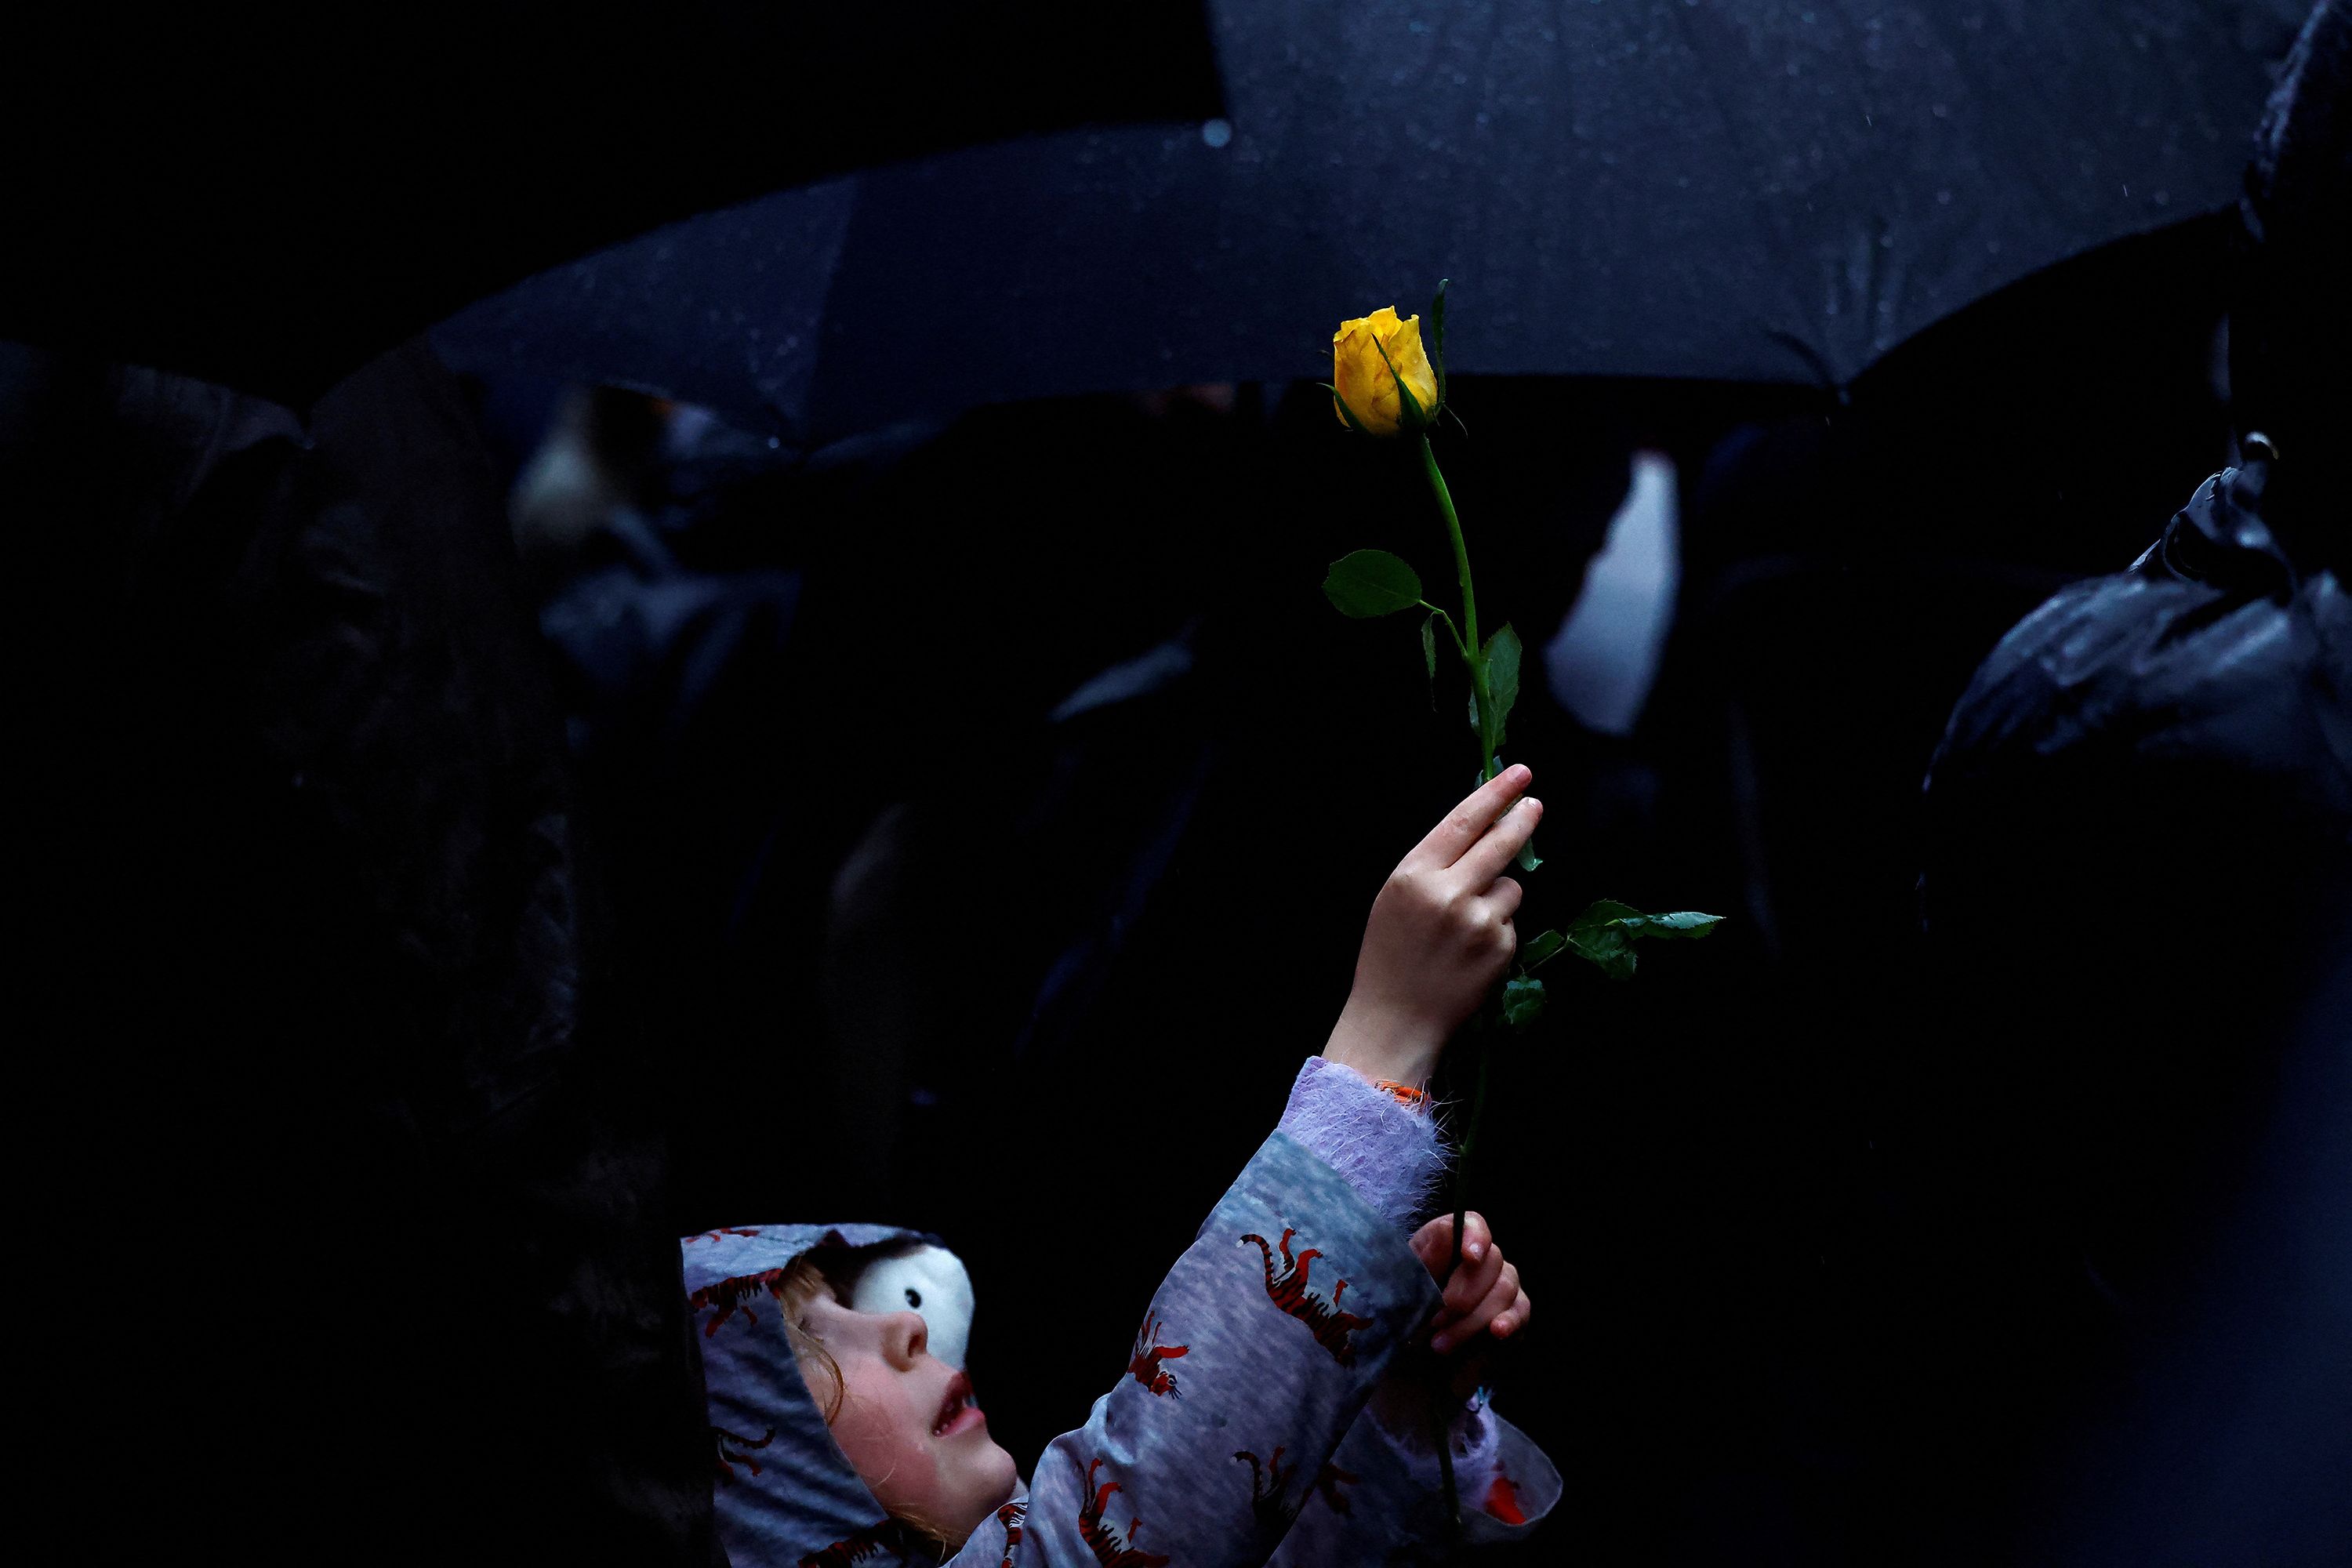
1434 1244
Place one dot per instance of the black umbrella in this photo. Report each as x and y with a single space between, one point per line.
268 195
1765 192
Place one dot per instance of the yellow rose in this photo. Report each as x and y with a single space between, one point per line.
1362 379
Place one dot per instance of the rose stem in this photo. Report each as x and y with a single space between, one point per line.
1476 657
1441 1408
1438 1423
1469 1142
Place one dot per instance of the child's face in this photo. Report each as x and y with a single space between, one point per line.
907 1421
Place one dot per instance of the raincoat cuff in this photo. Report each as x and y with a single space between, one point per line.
1506 1484
1519 1488
1389 1153
1475 1438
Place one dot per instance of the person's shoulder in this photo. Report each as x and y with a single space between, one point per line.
2067 670
2204 624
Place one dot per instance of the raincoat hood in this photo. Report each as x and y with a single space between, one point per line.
1237 1433
784 1491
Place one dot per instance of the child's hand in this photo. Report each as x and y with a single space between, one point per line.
1483 1303
1439 937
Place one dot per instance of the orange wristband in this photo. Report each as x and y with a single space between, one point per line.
1412 1099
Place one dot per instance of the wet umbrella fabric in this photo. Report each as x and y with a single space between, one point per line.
1773 192
268 196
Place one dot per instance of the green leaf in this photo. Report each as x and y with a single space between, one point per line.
1503 676
1523 1000
1345 411
1412 416
1595 937
1437 335
1686 923
1368 583
1605 932
1609 952
1540 951
1429 655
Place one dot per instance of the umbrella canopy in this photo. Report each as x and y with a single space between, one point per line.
268 195
1765 192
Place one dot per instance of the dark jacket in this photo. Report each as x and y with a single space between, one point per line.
2137 1145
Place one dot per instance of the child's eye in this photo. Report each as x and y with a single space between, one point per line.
914 1297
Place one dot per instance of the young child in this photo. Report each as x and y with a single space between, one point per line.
1239 1435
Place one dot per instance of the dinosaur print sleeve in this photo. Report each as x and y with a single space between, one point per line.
1250 1365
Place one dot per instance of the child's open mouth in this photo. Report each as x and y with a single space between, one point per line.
957 1410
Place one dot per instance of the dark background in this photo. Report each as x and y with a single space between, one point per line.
447 913
828 916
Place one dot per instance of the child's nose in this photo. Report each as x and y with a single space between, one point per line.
908 1336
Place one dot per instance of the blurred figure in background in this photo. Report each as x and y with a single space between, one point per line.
335 1075
2138 891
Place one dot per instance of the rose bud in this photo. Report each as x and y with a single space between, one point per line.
1361 377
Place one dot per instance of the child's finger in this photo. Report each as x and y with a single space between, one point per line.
1469 1285
1504 1293
1460 1323
1487 859
1434 1242
1467 822
1512 1318
1428 1244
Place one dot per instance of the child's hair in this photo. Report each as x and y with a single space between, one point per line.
804 1280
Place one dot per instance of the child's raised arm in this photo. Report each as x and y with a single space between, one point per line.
1439 937
1301 1286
